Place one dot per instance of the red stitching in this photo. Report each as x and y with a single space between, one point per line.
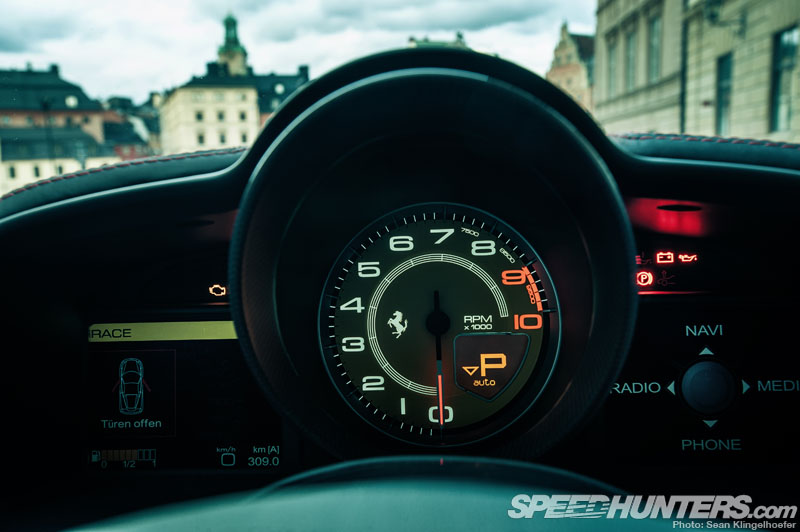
694 138
116 166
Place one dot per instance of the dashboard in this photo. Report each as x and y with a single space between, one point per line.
425 253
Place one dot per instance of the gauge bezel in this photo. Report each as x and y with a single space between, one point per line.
509 413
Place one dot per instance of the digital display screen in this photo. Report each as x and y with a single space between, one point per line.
175 395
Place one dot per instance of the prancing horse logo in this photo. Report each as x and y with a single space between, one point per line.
400 325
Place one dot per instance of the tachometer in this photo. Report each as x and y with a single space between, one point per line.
439 324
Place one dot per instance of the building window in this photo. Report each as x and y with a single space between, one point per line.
222 138
201 139
220 116
242 116
36 171
784 53
198 116
12 172
68 121
59 169
219 96
612 69
724 71
654 48
243 96
6 120
85 119
197 96
630 60
244 138
29 120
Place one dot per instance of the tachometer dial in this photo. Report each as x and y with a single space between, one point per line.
439 324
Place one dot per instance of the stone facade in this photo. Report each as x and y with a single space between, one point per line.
734 86
724 67
203 118
638 65
572 69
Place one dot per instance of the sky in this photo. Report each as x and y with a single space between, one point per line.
114 48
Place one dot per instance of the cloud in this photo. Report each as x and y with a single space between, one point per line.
133 48
282 20
9 43
29 30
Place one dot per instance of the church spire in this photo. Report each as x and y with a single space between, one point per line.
231 36
232 53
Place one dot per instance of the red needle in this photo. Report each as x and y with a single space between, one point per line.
441 401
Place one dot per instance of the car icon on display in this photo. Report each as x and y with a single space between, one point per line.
131 382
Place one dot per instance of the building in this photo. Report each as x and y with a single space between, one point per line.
228 105
28 154
209 113
40 98
146 122
124 140
702 67
425 42
638 65
572 69
741 68
48 126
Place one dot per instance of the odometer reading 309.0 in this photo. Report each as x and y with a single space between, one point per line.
439 324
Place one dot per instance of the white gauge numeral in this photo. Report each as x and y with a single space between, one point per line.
483 247
353 304
369 269
433 414
445 232
401 243
372 384
352 344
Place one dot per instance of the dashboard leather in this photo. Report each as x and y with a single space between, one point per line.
723 149
123 174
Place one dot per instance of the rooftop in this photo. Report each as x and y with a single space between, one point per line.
18 144
39 90
585 44
425 42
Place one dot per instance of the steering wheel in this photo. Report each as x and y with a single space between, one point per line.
397 494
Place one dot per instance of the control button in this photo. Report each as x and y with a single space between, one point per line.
708 387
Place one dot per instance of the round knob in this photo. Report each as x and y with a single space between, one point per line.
708 387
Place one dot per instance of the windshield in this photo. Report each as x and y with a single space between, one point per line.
88 83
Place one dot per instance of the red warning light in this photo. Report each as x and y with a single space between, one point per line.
685 257
644 278
665 257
